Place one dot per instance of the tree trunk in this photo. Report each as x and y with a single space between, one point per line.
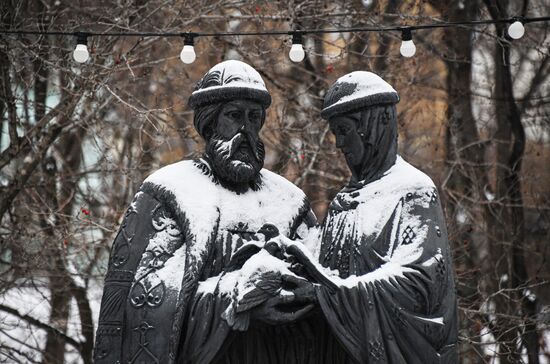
54 254
465 159
86 322
54 352
510 232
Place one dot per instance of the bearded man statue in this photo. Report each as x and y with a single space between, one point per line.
174 267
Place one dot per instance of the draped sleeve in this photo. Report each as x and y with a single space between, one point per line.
148 278
122 281
205 330
395 303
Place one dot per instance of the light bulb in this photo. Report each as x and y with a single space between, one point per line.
367 3
407 49
297 53
187 54
80 53
516 30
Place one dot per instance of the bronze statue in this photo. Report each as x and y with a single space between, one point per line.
168 281
385 283
211 265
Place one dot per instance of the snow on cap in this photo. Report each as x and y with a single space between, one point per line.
355 91
230 80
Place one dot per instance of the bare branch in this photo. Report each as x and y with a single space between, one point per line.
77 345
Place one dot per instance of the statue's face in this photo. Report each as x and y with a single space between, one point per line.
348 139
240 117
235 147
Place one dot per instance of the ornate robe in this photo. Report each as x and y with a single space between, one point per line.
182 228
395 297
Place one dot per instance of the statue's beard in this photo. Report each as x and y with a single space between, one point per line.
236 162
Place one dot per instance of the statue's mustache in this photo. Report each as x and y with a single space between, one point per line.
230 147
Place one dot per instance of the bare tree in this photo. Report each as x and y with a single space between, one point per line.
78 139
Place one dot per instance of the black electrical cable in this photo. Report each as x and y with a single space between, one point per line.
282 32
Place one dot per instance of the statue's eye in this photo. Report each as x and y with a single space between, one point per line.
343 131
255 116
234 114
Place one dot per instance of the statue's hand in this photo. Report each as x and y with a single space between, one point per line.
301 261
294 301
302 289
281 309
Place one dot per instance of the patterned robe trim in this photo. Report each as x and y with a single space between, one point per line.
126 251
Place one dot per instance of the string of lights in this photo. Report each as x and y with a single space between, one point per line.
516 30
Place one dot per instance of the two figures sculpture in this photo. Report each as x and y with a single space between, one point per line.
218 260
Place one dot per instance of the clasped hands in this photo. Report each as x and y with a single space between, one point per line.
286 295
294 301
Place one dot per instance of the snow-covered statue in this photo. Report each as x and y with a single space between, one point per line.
384 284
179 286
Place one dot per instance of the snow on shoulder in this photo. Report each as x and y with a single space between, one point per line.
205 203
194 196
401 178
281 183
377 200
